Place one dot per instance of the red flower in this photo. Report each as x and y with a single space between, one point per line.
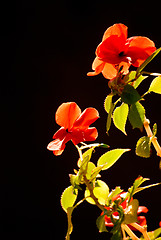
74 126
124 204
117 50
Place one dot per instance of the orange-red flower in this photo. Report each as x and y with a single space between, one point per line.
117 50
74 126
124 204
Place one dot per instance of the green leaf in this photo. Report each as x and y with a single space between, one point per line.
136 115
68 198
90 168
101 191
155 85
139 80
108 102
143 147
129 77
148 60
131 212
108 124
110 157
130 95
100 222
120 117
154 129
88 153
112 194
132 190
146 187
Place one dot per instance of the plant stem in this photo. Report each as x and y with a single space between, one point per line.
129 232
150 134
90 188
143 230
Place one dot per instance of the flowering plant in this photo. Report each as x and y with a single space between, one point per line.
120 212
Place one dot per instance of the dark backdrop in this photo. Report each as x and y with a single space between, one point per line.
47 49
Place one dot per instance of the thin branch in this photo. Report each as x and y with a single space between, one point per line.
129 232
150 134
143 230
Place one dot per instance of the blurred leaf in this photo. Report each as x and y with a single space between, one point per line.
136 115
108 102
143 147
154 234
120 117
146 187
155 85
68 198
100 222
131 212
101 191
110 157
148 60
130 95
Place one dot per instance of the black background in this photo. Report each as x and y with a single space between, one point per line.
47 49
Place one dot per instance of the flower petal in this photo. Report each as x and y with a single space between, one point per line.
89 134
140 48
88 116
109 71
66 114
61 138
142 209
118 29
97 66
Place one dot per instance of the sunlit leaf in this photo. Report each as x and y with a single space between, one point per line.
130 95
90 168
101 191
143 147
85 154
68 198
139 80
108 124
120 117
130 76
131 212
112 194
110 157
155 85
136 115
108 102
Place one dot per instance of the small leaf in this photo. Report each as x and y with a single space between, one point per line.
154 129
108 102
155 85
85 154
136 115
143 147
130 76
130 95
148 60
112 194
131 212
120 117
100 222
108 124
145 187
139 80
90 168
101 191
68 198
110 157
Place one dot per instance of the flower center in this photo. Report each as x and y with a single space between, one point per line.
121 54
